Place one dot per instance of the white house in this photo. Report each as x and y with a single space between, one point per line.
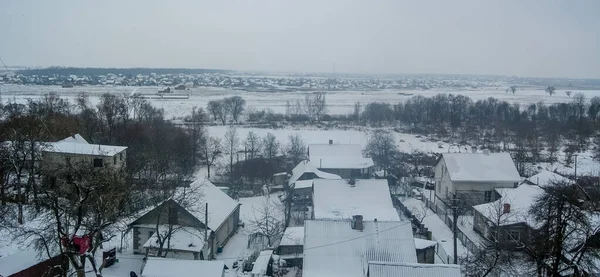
188 240
474 176
342 199
75 149
344 248
345 160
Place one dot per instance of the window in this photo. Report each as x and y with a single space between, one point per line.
150 233
487 197
446 191
513 235
114 159
121 156
98 163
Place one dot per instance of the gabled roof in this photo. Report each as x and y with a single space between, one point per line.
338 156
332 248
83 149
546 178
160 267
76 138
307 167
293 236
385 269
481 167
220 205
520 199
337 199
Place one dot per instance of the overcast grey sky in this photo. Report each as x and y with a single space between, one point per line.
526 38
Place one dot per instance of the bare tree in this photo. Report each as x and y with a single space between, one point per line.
235 106
495 258
551 90
211 150
357 111
315 105
568 93
513 89
215 107
268 220
270 146
253 144
231 145
296 149
381 146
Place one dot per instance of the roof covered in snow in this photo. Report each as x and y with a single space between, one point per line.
306 167
332 248
337 199
18 262
337 156
262 262
546 178
76 138
385 269
220 205
303 184
293 236
182 239
481 167
519 198
83 148
423 243
158 267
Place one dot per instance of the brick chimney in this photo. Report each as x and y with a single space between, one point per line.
506 208
357 223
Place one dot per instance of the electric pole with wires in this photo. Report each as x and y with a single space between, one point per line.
454 223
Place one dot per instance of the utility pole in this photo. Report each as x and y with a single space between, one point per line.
454 221
575 167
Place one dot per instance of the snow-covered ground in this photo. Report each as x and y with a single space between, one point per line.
339 102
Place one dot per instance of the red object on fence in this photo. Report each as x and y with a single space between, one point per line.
82 244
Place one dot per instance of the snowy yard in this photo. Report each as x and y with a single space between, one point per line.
440 231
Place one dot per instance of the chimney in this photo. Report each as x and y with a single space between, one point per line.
506 208
486 152
330 142
357 223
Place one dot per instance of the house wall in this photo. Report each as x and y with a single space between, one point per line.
52 160
347 173
146 223
472 193
426 256
226 230
481 226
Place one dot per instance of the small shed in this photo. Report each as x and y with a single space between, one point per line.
425 251
262 264
291 245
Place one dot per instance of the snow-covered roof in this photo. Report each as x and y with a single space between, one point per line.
308 167
338 156
547 178
262 262
423 243
519 198
481 167
159 267
220 205
83 149
332 248
76 138
182 239
293 236
302 184
18 262
336 199
385 269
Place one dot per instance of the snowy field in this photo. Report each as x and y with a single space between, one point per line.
339 102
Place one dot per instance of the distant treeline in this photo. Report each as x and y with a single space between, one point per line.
94 71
